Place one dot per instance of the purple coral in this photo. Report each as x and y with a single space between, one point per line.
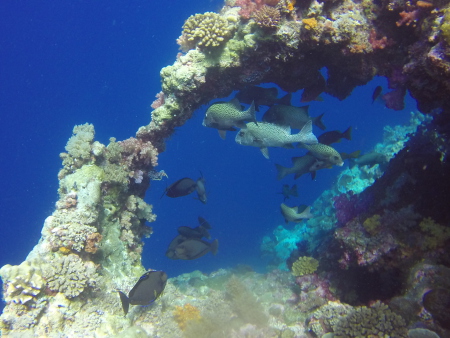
347 207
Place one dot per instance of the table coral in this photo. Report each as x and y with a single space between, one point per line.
304 266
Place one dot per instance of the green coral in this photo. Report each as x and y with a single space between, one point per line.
304 266
436 234
208 30
372 224
79 145
445 26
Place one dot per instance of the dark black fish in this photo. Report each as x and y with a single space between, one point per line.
198 232
376 93
147 289
182 187
294 117
170 253
312 92
287 192
194 248
261 96
335 136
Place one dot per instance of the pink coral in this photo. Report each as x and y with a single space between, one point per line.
379 43
160 100
137 150
248 7
408 18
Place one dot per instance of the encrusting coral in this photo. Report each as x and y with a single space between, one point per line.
304 266
185 314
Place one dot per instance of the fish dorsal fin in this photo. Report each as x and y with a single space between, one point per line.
235 103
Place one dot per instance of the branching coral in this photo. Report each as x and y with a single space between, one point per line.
208 30
70 275
79 145
304 266
185 314
267 17
375 321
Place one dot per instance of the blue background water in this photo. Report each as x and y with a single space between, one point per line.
67 63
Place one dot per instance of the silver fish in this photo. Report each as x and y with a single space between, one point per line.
264 134
225 116
293 214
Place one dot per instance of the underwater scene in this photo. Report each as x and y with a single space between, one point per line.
238 168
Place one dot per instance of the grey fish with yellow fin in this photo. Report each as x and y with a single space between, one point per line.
369 159
225 116
325 153
194 248
182 187
335 136
265 134
295 214
147 289
300 166
294 117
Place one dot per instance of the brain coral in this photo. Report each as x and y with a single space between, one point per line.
205 31
70 275
304 266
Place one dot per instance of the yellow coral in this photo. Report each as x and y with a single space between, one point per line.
304 266
372 224
310 23
186 313
290 5
436 234
64 250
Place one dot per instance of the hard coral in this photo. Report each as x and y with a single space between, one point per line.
304 266
185 314
206 31
267 17
375 321
70 275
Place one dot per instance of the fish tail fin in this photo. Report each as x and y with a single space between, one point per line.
306 135
318 121
251 112
215 246
355 154
307 213
282 171
203 223
125 301
294 191
347 134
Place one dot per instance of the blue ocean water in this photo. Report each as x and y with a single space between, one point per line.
68 63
